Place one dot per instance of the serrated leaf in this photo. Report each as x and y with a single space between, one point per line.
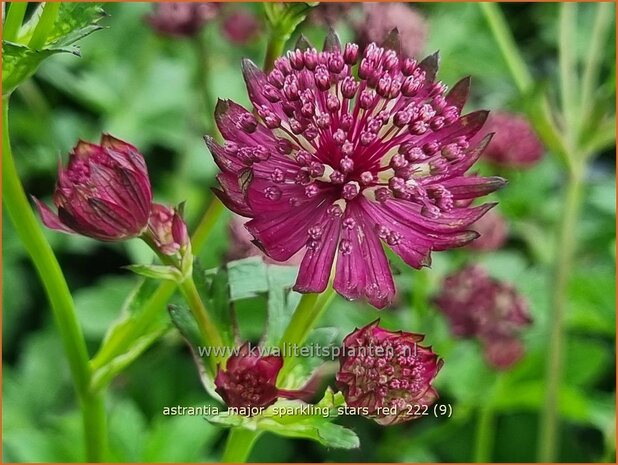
74 21
20 62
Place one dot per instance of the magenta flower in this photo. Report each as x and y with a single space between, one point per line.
387 374
515 144
493 232
104 192
492 311
381 18
249 380
167 230
182 19
340 164
240 26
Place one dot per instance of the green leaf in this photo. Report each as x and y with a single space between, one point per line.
214 288
247 278
74 21
113 350
311 421
282 301
156 271
104 375
186 324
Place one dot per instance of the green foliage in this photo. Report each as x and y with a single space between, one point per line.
73 22
281 419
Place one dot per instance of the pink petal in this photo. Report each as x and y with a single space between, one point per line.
315 269
281 234
364 272
50 219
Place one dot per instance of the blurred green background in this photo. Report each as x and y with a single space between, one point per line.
150 90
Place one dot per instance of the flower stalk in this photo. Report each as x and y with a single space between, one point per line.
239 444
59 295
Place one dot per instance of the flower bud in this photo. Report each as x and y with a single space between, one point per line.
167 229
249 380
103 193
387 374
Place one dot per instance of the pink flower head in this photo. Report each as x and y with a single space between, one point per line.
340 164
493 232
387 374
103 193
167 229
477 305
249 380
240 26
381 18
515 144
182 19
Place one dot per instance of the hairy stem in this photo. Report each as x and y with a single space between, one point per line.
238 446
49 271
563 262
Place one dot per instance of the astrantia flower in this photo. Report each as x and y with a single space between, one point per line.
387 374
381 18
515 144
182 19
240 26
167 230
493 232
249 380
103 193
340 164
477 305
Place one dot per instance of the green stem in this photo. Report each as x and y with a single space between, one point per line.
565 249
506 42
203 82
239 444
206 224
276 44
308 312
157 301
600 29
49 271
14 20
484 434
568 68
44 26
208 328
486 424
